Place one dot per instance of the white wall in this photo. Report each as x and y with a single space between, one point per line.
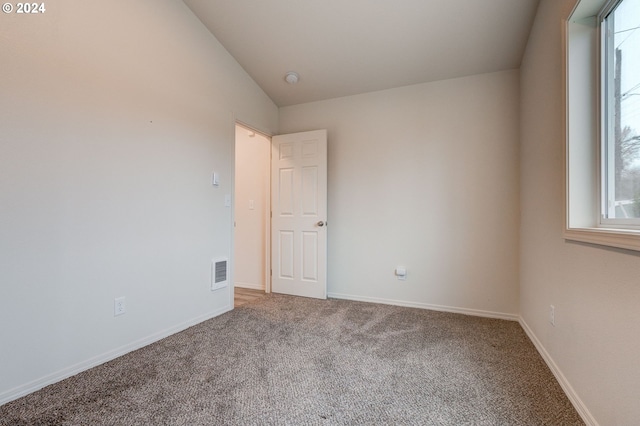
595 290
252 204
113 116
112 123
426 177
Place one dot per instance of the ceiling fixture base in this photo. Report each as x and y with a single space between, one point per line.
291 77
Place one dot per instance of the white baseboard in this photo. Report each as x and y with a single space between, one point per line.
40 383
249 286
452 309
580 407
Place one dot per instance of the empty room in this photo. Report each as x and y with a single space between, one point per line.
448 210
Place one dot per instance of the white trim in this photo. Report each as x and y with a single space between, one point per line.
583 183
60 375
67 372
441 308
267 220
619 238
575 400
580 407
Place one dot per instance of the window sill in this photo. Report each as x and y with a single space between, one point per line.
620 238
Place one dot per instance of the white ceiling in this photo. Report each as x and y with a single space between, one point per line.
346 47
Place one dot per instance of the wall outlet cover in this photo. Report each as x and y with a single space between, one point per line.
119 306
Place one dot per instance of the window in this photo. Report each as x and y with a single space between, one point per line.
620 109
602 96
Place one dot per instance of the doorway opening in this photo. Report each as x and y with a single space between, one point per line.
280 213
252 196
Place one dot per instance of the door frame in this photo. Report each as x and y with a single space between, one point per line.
267 216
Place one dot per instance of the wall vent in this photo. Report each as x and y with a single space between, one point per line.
219 273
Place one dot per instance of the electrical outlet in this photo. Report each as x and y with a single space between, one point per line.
552 315
119 306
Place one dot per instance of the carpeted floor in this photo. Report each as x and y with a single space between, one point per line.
282 360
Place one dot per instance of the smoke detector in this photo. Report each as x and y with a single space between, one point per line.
291 77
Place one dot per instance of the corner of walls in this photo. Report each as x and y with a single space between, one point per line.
592 348
578 404
409 185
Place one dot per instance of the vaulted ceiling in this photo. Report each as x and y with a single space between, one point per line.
346 47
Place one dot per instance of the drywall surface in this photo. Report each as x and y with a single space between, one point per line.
424 177
113 116
595 290
252 189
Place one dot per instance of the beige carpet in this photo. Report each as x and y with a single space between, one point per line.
284 360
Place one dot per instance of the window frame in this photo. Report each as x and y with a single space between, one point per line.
606 111
583 99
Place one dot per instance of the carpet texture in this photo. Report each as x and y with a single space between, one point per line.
283 360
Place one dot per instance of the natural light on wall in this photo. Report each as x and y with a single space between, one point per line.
602 68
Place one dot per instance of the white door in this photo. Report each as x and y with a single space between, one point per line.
299 214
